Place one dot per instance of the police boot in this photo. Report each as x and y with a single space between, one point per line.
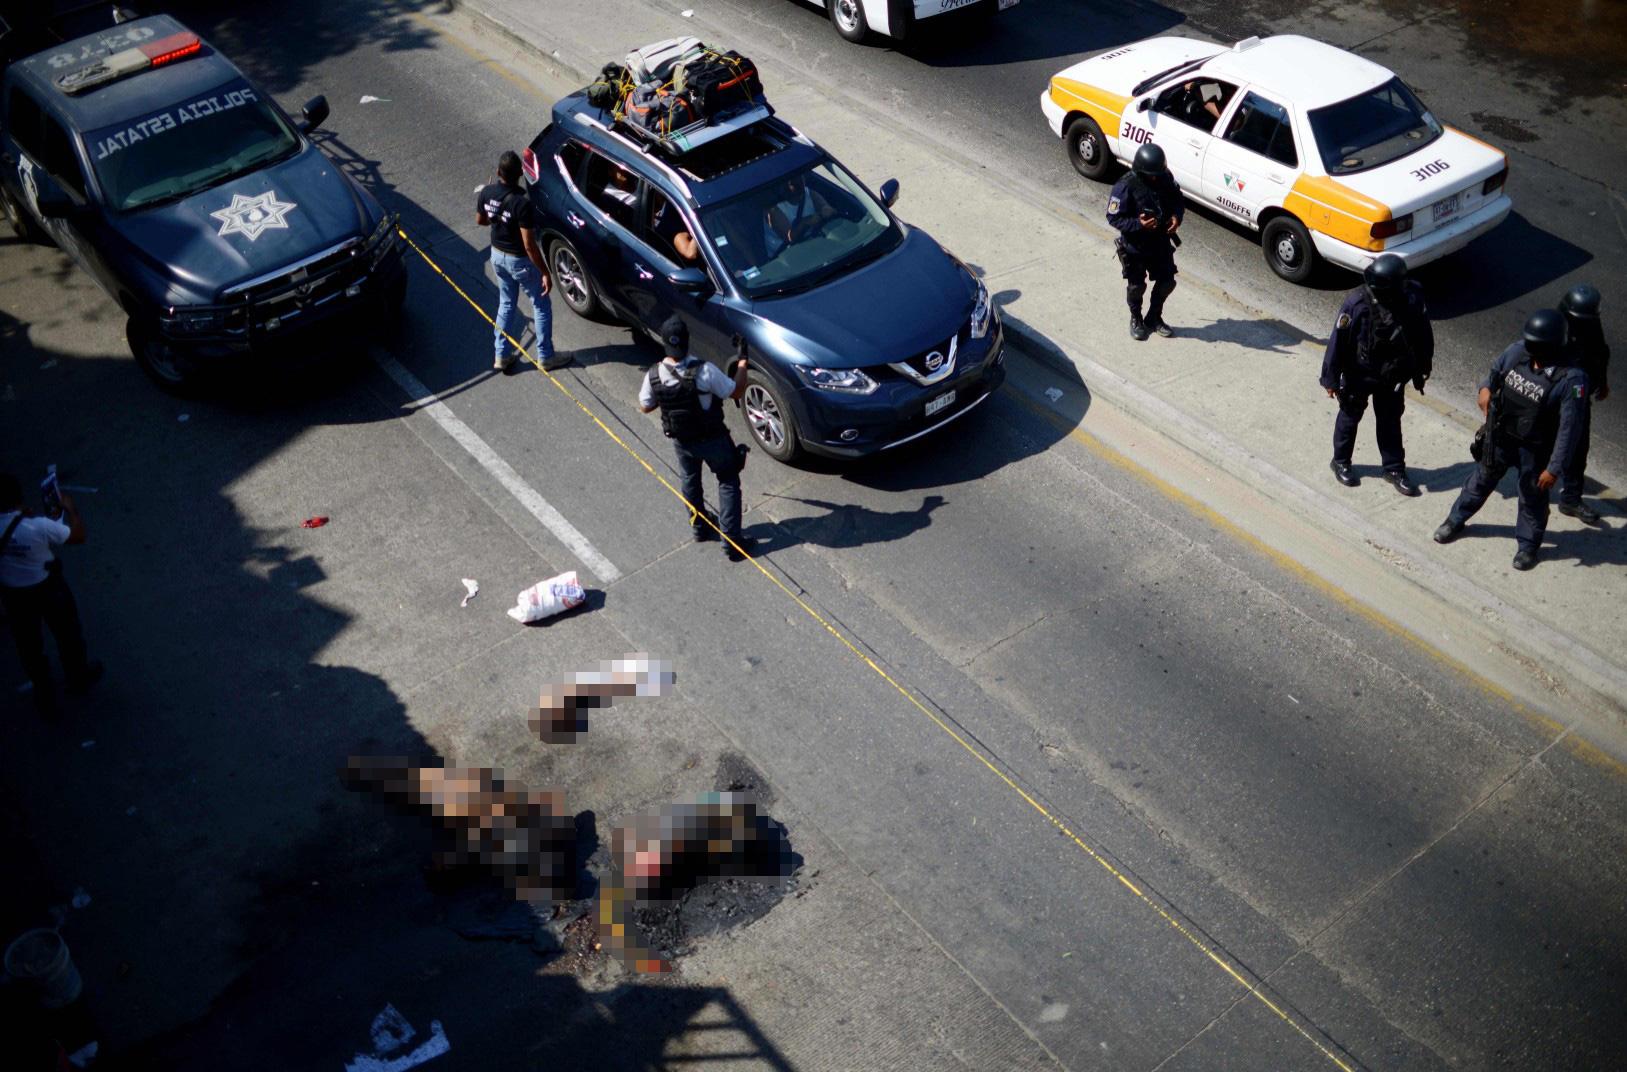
1581 512
1155 321
1343 474
1524 560
1138 327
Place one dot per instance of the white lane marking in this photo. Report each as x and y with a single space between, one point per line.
425 401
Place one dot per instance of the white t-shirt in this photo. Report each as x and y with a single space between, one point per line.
710 379
24 557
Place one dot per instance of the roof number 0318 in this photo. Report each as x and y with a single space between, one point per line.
1434 167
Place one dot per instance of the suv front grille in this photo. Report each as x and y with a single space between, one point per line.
932 365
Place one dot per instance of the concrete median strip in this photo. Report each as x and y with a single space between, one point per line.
1230 391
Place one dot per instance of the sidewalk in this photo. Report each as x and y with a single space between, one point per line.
1233 388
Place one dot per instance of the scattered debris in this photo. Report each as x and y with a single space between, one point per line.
131 810
80 898
547 598
25 688
1054 394
472 589
526 838
49 364
88 744
1290 696
182 418
80 489
368 98
9 395
390 1032
688 14
84 1055
314 522
561 712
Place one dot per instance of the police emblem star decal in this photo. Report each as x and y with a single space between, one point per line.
253 216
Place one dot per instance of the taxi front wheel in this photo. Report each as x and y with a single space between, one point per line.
1087 149
1288 249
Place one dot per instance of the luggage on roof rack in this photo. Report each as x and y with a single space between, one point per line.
680 94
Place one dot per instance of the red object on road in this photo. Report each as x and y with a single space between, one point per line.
314 522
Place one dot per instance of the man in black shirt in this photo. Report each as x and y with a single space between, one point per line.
517 262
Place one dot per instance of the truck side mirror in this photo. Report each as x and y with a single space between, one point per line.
315 113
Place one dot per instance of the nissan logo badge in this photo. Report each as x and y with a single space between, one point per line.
934 361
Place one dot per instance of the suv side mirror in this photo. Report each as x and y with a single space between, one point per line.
315 113
693 280
889 192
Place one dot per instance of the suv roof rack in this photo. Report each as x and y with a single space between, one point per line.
694 135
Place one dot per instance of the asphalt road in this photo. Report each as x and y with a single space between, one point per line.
1416 875
1539 80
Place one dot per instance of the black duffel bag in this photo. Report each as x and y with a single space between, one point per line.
719 82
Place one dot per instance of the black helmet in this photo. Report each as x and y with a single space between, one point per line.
675 337
1581 302
1386 274
1546 334
1149 161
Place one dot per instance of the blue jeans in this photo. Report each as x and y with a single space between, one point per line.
516 273
719 454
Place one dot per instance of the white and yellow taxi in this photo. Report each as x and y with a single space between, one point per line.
1325 153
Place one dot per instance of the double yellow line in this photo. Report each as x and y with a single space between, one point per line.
1225 964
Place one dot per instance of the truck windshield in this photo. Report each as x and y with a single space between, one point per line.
1371 129
187 147
798 231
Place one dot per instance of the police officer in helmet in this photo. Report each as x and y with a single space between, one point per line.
1146 208
1592 355
1533 404
690 394
1381 340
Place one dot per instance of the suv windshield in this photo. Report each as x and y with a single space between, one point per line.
188 147
1381 125
798 231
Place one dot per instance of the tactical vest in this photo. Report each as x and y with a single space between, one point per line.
1385 352
682 416
1523 414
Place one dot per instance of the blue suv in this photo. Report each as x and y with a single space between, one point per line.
201 208
864 333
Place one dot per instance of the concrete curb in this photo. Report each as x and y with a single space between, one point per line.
1601 683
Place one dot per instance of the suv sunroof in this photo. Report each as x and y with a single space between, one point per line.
725 154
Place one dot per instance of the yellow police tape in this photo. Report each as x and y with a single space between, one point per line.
1165 914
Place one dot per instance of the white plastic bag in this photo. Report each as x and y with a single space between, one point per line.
547 598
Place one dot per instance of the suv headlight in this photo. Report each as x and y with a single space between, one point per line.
846 381
382 240
982 312
184 321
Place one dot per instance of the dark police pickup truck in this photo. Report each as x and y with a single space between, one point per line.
191 198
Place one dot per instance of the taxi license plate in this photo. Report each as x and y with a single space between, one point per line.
939 403
1446 207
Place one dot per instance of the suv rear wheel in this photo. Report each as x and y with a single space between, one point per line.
773 426
172 371
22 224
571 279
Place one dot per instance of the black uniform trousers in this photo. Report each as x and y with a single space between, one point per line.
47 605
1570 481
719 453
1389 401
1533 515
1139 266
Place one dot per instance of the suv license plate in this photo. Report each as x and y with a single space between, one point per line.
1445 207
939 403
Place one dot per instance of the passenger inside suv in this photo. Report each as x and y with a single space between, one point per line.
668 226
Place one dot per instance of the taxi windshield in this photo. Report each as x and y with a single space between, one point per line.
1379 126
798 231
187 147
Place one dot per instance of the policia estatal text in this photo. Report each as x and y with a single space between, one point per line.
1381 340
1146 209
1533 406
690 394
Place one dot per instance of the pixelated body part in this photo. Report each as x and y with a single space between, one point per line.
525 838
658 857
561 713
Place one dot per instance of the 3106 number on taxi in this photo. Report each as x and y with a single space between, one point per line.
1328 155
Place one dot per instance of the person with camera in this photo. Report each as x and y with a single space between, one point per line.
36 597
1381 340
1146 208
1533 401
690 394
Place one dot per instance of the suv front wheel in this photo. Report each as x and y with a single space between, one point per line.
171 370
773 426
